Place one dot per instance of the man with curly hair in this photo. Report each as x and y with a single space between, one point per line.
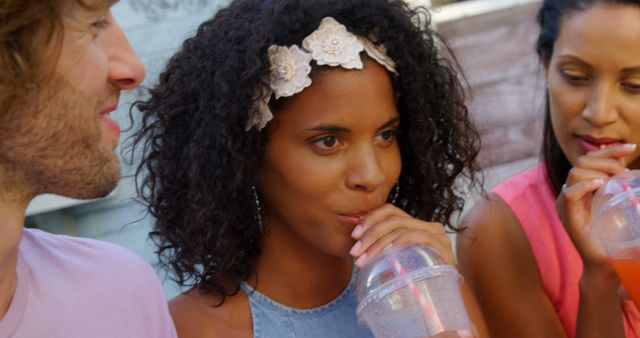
63 65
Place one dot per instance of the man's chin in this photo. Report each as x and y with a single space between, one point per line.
104 186
97 186
89 192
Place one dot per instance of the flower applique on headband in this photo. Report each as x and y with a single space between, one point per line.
331 44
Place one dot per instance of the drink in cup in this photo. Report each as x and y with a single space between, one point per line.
616 225
408 291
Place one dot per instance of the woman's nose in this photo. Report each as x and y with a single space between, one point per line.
365 171
601 108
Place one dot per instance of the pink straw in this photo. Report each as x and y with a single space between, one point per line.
434 324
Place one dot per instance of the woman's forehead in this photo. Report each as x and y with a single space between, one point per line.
340 96
615 37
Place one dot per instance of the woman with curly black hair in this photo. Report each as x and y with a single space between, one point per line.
288 138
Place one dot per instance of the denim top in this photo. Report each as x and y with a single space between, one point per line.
336 319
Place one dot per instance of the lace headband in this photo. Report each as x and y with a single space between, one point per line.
331 44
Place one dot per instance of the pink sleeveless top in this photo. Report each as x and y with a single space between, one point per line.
531 199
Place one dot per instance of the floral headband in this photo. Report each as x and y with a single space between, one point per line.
331 44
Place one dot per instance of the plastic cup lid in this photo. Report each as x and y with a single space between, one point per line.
616 213
617 189
396 268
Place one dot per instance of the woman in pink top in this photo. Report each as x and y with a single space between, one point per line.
527 253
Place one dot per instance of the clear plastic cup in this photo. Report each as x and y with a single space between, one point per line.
615 223
408 292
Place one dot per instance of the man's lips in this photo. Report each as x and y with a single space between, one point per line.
108 110
109 122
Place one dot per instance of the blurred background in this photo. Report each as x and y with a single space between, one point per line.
493 40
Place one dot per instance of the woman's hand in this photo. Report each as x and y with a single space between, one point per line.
589 173
390 225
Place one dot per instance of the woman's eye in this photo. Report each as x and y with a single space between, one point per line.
633 87
388 135
326 142
575 77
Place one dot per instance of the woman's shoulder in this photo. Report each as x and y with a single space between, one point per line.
497 262
492 233
494 224
198 315
490 221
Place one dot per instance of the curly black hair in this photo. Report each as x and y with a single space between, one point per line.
198 160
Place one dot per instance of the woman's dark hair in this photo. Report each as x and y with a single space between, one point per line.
198 161
550 18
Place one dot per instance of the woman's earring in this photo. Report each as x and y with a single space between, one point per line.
395 191
258 208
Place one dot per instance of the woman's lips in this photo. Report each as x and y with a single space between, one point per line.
353 218
589 143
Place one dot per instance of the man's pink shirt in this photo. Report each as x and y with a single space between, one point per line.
72 287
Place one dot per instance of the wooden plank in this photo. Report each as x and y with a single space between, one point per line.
496 52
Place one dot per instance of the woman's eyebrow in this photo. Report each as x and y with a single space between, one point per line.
575 59
390 123
341 129
631 70
329 127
